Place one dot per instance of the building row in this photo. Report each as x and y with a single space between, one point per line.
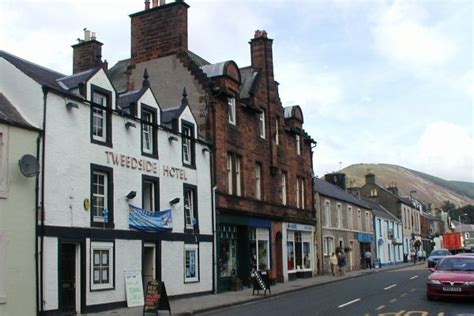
175 169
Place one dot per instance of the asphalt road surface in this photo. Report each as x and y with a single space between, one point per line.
385 293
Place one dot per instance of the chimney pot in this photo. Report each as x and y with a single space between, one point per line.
155 3
93 36
147 4
87 35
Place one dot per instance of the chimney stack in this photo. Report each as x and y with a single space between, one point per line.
336 178
261 52
370 178
159 31
87 53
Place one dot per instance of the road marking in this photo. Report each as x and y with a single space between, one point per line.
412 290
348 303
389 287
404 294
413 277
393 301
380 307
400 313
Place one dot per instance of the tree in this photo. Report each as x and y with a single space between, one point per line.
448 206
465 219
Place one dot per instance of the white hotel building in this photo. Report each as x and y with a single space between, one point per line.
100 152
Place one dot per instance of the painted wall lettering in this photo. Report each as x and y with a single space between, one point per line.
173 172
131 162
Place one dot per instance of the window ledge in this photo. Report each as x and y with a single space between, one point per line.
3 299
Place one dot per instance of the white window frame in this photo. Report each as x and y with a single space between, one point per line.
283 188
187 145
189 207
277 131
302 193
261 124
99 218
298 145
102 246
297 192
229 174
149 187
327 214
359 220
191 248
231 110
328 245
99 114
147 129
350 218
367 221
238 189
258 181
339 215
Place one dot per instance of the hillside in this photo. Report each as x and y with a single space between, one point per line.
429 189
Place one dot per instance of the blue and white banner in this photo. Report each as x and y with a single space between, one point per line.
144 220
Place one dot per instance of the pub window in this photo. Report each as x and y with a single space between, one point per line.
231 111
149 131
187 131
227 250
191 263
190 208
150 193
101 117
261 124
101 196
102 265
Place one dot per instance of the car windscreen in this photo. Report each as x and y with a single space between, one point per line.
456 264
439 253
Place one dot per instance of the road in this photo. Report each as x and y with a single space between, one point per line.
387 293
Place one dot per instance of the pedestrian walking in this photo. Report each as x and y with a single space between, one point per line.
333 263
341 263
413 255
368 259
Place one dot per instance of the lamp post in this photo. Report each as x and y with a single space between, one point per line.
460 229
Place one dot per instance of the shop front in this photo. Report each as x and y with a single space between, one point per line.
365 244
243 245
299 254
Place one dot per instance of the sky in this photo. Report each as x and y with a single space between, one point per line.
378 81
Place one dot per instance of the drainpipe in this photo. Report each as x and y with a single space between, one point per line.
41 231
214 250
38 142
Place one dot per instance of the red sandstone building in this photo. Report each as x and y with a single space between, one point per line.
262 156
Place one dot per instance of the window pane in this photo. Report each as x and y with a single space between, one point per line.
149 196
291 255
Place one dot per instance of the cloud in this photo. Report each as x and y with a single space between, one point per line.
444 149
400 35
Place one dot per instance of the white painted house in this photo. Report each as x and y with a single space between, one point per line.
111 162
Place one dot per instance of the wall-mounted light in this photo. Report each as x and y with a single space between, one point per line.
205 150
131 195
172 138
71 105
174 201
130 124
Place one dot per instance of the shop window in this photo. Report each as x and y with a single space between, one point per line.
290 251
150 193
190 208
101 116
101 196
102 265
259 248
191 268
231 111
261 124
149 131
187 131
227 250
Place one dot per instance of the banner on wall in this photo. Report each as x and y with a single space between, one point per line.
144 220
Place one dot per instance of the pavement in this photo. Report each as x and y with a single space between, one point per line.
211 302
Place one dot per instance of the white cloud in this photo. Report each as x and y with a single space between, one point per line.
444 150
400 35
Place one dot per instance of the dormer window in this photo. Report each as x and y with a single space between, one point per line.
231 110
101 118
149 132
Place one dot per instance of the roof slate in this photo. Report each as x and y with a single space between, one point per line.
381 211
333 191
10 115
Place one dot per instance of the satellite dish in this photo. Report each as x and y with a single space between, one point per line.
29 166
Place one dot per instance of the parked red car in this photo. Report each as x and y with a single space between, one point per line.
453 276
